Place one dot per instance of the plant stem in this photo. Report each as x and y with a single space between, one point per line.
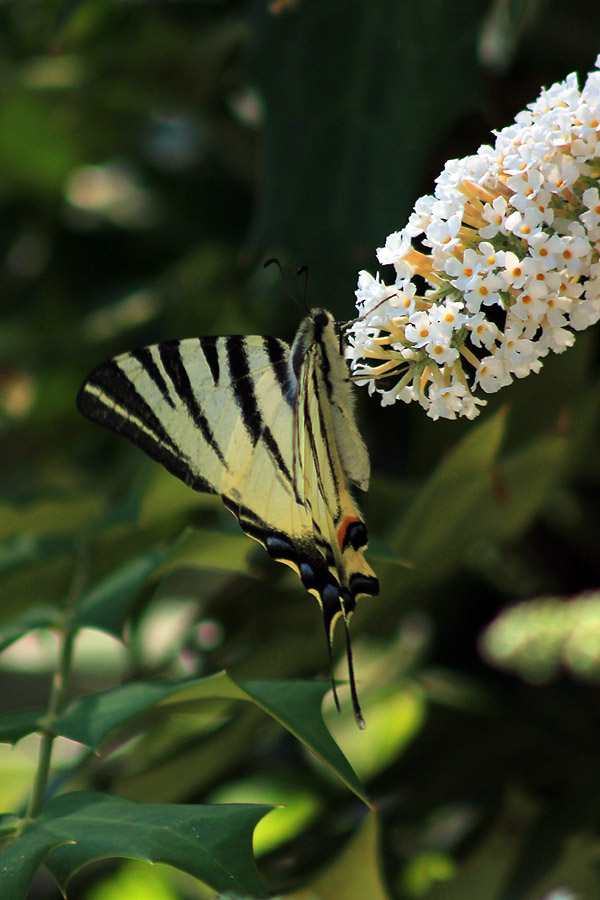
58 691
57 696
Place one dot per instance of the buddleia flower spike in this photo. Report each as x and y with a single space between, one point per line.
508 249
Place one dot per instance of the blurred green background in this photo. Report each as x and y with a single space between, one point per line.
152 155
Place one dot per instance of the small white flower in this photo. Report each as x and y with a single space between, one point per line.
447 401
520 354
525 225
441 352
495 214
464 273
492 374
586 313
443 233
448 317
484 292
591 218
483 332
513 274
490 257
555 339
528 306
397 245
421 216
420 330
556 309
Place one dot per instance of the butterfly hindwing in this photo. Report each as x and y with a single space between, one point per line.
270 429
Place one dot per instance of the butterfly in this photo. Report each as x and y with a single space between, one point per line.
271 429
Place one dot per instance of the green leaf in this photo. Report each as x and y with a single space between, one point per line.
14 726
66 516
105 605
20 861
26 549
524 481
212 843
433 529
28 620
92 718
294 704
297 706
27 123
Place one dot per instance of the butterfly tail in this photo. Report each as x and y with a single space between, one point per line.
330 618
353 692
330 651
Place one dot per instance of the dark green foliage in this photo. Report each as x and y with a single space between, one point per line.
152 155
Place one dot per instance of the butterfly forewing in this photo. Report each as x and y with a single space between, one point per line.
271 431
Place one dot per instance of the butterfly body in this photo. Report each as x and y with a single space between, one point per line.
268 427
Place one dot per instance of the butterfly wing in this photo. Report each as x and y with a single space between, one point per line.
241 417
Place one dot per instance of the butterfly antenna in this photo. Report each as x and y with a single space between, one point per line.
273 260
346 326
303 270
355 704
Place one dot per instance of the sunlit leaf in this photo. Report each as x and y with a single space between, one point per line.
296 806
355 874
394 717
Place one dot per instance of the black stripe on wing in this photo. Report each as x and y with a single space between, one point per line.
170 357
146 360
109 398
211 355
278 355
242 385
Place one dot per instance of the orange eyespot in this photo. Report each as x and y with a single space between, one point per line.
343 529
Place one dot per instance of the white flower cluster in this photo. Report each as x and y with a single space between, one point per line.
509 251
